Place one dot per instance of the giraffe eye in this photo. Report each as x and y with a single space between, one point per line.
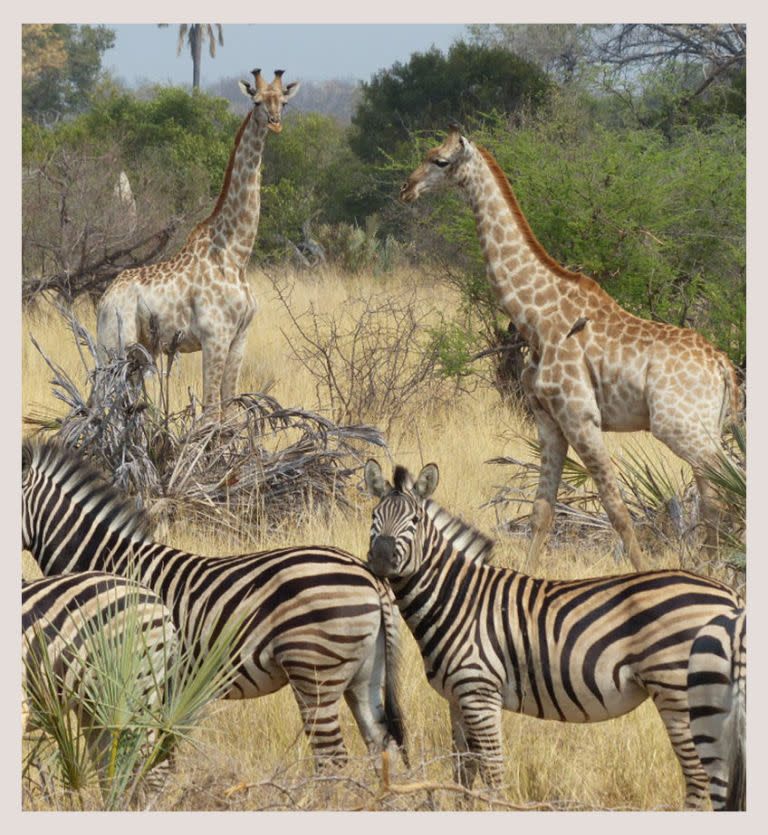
440 162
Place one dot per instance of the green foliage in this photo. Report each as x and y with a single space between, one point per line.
309 178
433 89
454 348
728 475
60 68
175 141
188 134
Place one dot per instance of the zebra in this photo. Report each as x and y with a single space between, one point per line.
313 617
64 621
716 685
574 651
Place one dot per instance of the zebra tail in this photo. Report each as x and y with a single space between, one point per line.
393 715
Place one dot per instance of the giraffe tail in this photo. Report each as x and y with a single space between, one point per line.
732 395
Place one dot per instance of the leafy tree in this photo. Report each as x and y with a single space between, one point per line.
61 65
310 177
433 89
676 73
187 134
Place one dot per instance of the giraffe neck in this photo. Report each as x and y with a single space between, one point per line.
235 219
528 283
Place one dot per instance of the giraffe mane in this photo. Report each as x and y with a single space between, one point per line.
509 195
63 464
227 177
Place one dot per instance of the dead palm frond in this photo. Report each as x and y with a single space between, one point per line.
263 463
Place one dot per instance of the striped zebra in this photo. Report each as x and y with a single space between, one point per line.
717 670
574 651
313 617
64 621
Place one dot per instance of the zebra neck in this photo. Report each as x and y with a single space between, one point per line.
453 554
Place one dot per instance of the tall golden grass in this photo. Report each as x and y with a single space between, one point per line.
252 754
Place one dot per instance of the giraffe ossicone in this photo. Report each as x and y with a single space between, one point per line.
199 299
593 367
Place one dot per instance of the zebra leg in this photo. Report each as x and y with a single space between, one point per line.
476 726
319 708
679 732
364 697
464 765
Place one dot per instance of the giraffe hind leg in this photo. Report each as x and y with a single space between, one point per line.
590 446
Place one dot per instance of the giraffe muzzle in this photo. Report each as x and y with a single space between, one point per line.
275 127
408 192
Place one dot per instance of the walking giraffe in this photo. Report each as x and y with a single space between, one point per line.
593 367
201 296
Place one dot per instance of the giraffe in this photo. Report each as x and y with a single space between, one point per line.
199 299
593 367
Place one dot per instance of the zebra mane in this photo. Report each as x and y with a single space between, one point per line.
72 473
473 544
402 479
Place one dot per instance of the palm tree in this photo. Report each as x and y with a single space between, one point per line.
196 34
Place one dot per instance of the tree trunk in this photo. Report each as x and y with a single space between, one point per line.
196 46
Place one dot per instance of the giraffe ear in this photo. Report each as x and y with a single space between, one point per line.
291 90
246 88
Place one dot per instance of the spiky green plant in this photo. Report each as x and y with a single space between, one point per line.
728 475
137 727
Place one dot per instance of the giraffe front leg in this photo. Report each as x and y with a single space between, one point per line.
554 447
214 359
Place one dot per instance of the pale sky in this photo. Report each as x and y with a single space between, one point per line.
306 51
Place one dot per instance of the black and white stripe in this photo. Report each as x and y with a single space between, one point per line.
67 619
717 700
574 651
313 617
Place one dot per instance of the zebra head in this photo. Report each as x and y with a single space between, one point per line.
396 530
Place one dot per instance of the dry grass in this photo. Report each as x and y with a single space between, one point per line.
252 755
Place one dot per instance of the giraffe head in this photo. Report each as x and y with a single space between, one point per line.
269 99
442 167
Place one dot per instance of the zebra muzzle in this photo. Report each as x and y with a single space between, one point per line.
381 557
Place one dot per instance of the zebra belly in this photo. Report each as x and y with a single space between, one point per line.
577 702
253 683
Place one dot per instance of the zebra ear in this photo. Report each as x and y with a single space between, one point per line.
26 457
427 481
375 482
